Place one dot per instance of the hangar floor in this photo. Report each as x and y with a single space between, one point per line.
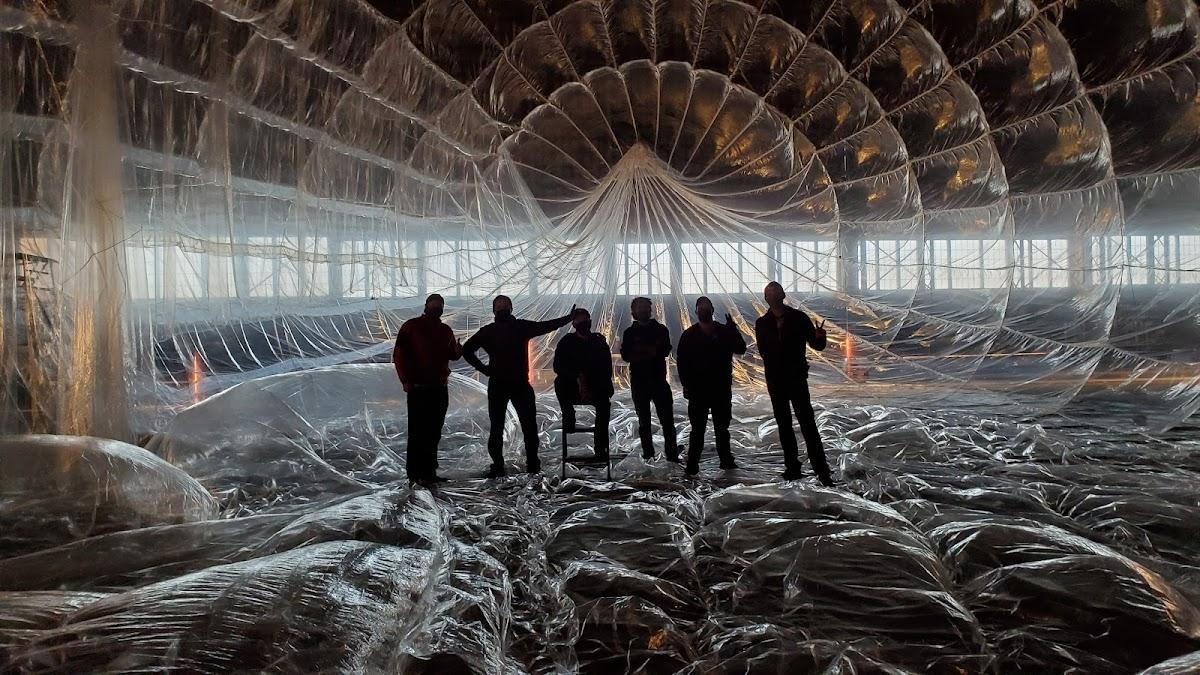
957 541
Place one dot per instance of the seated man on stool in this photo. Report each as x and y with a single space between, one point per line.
583 369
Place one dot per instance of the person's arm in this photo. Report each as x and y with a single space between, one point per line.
454 347
399 352
560 357
759 332
664 343
626 350
474 343
607 356
734 340
605 366
683 363
535 328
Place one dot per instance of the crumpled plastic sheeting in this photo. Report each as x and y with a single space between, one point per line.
958 544
312 433
349 606
56 489
836 568
335 574
22 615
977 196
1182 665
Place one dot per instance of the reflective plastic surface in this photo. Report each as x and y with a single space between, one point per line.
958 541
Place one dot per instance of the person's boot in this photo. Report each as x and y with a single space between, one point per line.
533 465
692 468
793 473
648 455
497 471
672 455
727 463
827 480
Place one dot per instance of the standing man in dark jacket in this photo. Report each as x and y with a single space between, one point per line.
645 346
424 349
506 341
583 365
783 334
705 357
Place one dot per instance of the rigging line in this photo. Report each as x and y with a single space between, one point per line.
700 32
549 21
720 108
616 68
684 117
737 65
765 155
807 41
787 140
562 151
229 10
760 109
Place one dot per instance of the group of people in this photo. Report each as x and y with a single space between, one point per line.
584 372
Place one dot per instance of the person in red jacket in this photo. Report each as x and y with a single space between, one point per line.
424 349
783 335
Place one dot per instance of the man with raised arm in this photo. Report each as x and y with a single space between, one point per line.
705 360
583 369
506 341
645 346
424 349
783 335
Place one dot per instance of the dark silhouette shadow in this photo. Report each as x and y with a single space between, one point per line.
506 342
645 346
705 361
783 334
424 349
583 376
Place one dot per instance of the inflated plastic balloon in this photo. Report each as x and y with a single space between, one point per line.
215 215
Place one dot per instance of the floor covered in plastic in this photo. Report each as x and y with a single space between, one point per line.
280 534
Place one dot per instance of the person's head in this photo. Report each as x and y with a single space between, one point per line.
704 308
581 320
774 294
642 309
502 307
434 306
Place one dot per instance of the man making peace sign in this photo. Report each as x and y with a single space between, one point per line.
783 334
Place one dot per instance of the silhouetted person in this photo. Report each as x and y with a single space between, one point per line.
705 358
424 349
783 334
506 341
645 346
583 365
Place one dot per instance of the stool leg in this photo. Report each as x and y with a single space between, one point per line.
563 475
